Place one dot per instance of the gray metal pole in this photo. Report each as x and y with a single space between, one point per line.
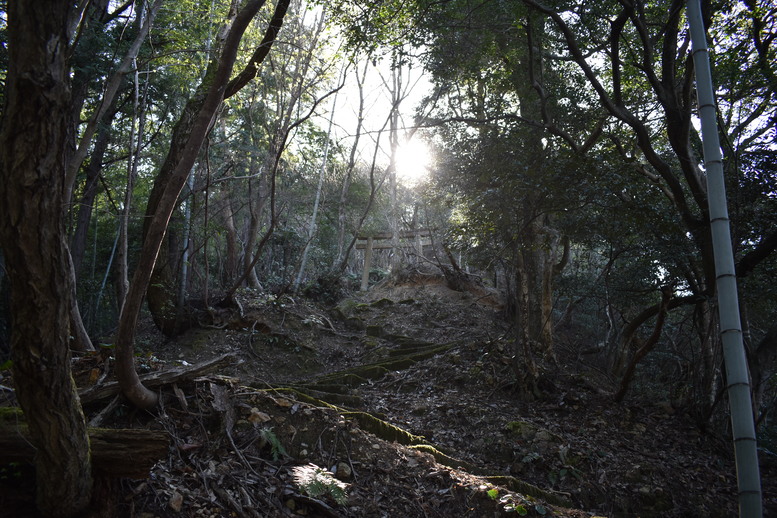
742 423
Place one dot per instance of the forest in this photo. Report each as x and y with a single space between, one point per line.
387 258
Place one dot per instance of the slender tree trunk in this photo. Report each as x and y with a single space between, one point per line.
396 99
183 285
375 185
257 196
33 152
319 188
85 205
135 143
763 360
231 260
302 64
78 240
341 211
526 370
551 269
647 346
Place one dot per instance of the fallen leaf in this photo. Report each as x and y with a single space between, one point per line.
258 416
176 501
283 402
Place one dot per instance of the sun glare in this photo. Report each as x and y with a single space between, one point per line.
414 160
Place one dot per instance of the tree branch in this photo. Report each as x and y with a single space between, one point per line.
252 68
751 259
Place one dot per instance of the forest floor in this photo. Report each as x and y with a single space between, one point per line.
398 402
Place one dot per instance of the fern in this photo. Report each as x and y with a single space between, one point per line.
276 448
317 482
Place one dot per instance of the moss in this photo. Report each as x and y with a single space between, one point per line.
300 396
442 458
333 398
523 429
418 350
382 429
407 341
523 487
355 323
370 371
370 341
199 339
347 379
389 432
374 330
332 387
11 413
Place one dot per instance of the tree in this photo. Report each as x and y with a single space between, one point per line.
33 155
191 131
487 63
644 82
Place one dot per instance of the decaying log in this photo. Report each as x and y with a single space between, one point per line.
115 453
157 379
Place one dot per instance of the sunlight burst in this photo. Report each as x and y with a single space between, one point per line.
414 160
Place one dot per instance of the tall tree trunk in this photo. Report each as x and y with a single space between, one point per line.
397 95
78 240
33 153
526 370
737 376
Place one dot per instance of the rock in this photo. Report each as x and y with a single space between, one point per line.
343 471
543 436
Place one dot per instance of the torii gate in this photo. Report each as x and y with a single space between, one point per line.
368 243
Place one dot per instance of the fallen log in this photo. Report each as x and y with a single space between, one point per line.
116 453
157 379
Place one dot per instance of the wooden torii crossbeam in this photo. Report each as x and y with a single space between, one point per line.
371 242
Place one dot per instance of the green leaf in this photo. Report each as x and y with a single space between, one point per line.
493 494
317 482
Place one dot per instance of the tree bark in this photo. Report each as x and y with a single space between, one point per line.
552 267
646 347
230 235
158 378
33 154
115 453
